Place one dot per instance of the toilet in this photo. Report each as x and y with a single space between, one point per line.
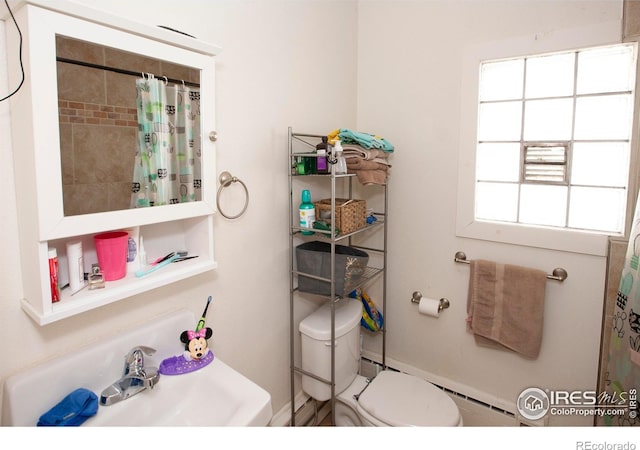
390 399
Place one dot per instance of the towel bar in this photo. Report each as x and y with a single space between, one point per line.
559 274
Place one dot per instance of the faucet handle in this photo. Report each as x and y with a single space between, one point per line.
134 360
147 350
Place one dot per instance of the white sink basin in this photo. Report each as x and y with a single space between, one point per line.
215 395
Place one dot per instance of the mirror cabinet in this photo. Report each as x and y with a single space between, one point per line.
44 162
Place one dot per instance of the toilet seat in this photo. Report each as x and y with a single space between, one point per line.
399 399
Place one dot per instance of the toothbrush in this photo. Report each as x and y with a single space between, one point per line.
201 322
159 260
150 269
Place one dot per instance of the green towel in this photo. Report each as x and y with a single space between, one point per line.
366 140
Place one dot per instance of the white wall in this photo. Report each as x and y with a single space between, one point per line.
410 60
399 75
271 74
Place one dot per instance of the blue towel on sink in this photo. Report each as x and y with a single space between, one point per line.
72 411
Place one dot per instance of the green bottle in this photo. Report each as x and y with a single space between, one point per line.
307 212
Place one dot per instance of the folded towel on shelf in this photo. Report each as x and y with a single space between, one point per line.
369 154
367 177
368 172
366 140
363 164
369 165
506 306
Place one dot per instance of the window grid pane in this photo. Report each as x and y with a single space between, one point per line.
498 162
580 185
548 119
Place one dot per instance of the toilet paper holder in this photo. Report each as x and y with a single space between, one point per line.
444 302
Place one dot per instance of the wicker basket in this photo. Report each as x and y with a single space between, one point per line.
351 214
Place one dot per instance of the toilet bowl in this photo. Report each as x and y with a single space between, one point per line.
389 399
395 399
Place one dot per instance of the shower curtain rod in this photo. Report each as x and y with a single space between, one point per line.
122 71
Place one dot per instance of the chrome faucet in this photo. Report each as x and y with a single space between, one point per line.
135 377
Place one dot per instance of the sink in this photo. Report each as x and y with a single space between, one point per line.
216 395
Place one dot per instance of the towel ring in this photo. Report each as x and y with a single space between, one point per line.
225 180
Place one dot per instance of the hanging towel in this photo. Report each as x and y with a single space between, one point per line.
506 306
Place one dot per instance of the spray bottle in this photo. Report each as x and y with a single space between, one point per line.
341 164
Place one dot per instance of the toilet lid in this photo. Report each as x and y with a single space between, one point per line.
399 399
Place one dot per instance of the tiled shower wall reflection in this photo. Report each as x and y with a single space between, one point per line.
98 123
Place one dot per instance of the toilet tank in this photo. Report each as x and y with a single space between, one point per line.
316 347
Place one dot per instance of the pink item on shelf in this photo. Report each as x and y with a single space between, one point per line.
112 250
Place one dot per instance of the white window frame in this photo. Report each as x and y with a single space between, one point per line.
577 241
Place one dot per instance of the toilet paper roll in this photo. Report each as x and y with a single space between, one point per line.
429 307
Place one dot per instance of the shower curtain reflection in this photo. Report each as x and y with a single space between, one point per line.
622 375
167 163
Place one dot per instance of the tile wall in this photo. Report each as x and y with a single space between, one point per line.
98 123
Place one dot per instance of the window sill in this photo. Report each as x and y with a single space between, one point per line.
575 241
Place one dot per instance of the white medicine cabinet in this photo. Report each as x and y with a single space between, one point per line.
37 136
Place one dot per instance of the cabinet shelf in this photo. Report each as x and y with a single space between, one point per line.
85 300
193 235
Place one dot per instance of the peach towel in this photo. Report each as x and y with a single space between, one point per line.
506 306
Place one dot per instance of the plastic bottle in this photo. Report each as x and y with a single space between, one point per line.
142 254
321 160
53 275
341 164
306 165
133 256
75 260
307 212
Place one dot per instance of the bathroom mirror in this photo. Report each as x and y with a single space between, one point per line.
98 124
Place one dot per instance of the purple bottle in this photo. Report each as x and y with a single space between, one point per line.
321 160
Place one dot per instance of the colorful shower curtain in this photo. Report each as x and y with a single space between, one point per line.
167 166
623 366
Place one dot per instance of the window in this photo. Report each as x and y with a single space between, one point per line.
553 139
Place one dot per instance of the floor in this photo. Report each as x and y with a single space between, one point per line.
326 422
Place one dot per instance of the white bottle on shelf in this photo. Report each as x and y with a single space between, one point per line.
75 260
341 165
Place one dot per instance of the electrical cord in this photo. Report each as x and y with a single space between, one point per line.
6 2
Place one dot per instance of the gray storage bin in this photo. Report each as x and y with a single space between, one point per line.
314 258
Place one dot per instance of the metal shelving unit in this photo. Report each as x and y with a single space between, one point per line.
308 143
